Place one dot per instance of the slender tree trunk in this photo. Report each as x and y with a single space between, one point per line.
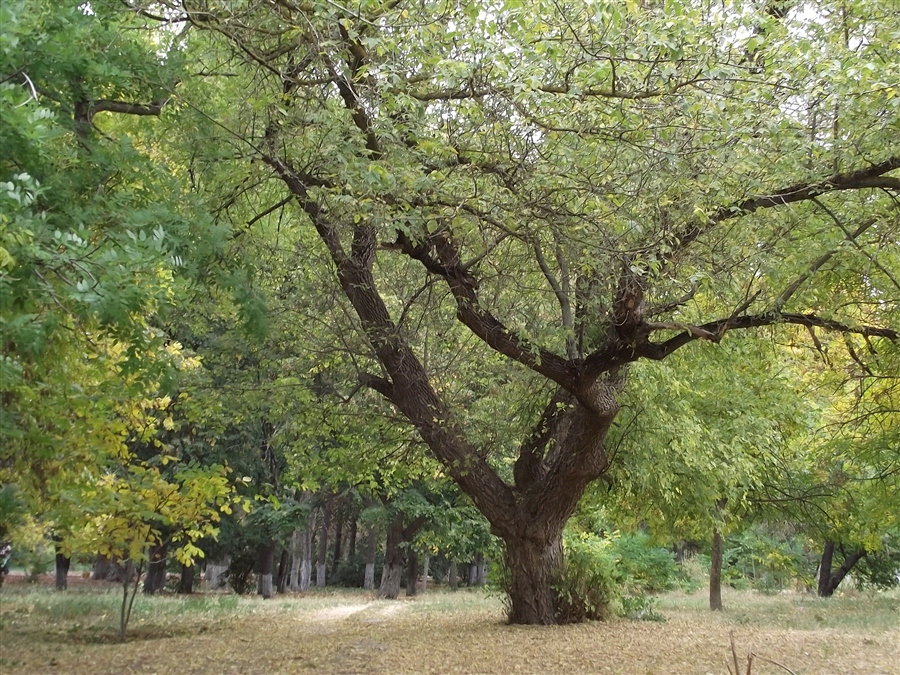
425 573
828 580
350 548
155 580
412 572
338 536
452 576
62 567
371 550
473 573
715 572
391 571
186 582
321 561
533 566
283 570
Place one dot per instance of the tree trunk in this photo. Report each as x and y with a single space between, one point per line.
155 581
350 548
214 573
338 536
371 550
425 573
266 561
186 583
102 568
321 560
305 559
472 575
452 576
62 568
715 572
390 573
412 572
828 580
294 583
533 565
479 569
283 570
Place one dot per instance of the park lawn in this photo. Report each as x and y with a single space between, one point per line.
349 632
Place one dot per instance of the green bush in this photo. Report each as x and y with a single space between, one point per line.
647 567
590 585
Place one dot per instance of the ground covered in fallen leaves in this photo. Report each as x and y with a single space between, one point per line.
463 632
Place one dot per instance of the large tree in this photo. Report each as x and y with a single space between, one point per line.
576 186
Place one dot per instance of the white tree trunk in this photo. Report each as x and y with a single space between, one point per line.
215 572
425 573
305 559
369 578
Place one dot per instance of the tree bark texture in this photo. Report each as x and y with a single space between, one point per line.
425 567
215 573
533 565
452 576
283 571
715 572
294 583
305 559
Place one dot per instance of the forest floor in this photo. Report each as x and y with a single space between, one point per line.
74 633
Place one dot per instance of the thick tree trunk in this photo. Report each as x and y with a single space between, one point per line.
452 576
215 572
412 572
186 582
102 568
393 559
533 565
155 580
715 572
266 562
62 567
371 550
828 580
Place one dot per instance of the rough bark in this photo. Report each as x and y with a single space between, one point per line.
715 572
393 553
371 550
412 572
155 580
186 582
828 580
533 565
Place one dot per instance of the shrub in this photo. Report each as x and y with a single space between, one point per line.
647 567
590 586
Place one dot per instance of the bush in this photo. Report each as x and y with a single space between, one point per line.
590 586
647 567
